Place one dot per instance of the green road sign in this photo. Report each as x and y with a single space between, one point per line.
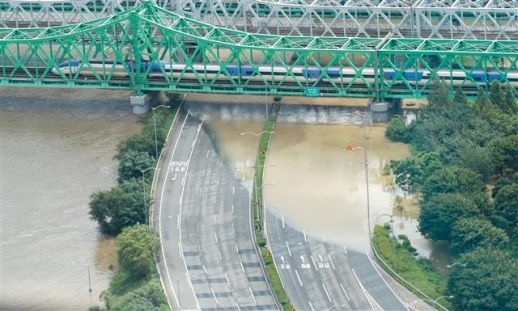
312 92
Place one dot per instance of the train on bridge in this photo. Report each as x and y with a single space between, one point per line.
280 74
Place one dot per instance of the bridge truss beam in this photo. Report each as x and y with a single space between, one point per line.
149 48
460 19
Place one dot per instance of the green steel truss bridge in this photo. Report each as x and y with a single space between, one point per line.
441 19
148 48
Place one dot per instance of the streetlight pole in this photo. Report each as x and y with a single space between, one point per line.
144 192
154 125
366 167
458 263
436 300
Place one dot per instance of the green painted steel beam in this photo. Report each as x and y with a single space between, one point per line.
149 48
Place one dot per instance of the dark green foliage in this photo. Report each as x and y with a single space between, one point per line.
506 203
397 130
510 103
460 97
470 233
440 211
150 297
139 143
504 181
438 97
119 207
486 282
496 95
135 247
132 163
507 152
451 180
412 172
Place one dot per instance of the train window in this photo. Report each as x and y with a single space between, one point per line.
333 73
478 76
311 72
247 71
233 70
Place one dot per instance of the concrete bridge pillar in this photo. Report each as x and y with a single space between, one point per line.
380 112
141 103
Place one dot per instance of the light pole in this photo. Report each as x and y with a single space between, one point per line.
366 166
178 287
436 300
458 263
266 100
393 236
256 189
144 191
154 125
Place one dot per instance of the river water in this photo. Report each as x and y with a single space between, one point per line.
310 178
56 149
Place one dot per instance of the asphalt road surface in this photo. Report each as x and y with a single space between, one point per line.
210 260
322 276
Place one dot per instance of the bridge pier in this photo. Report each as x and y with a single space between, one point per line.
380 111
141 103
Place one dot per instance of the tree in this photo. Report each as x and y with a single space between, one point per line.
119 207
412 172
398 131
506 203
478 159
510 102
485 280
483 103
136 249
470 233
453 179
507 152
438 97
460 97
441 211
131 164
147 298
496 95
143 142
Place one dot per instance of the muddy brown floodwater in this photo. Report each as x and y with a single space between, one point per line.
56 149
316 184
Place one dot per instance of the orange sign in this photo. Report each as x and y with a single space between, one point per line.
350 148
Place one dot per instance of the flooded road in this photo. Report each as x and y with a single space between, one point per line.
315 183
56 149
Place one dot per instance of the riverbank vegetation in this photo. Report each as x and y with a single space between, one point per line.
464 168
123 212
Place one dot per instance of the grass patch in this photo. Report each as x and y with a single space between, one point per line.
401 257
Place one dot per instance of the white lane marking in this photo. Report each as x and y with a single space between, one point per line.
216 237
204 269
203 173
233 192
345 250
228 282
298 277
238 308
346 296
331 261
174 178
314 264
242 267
237 248
305 238
183 181
214 218
213 294
252 293
325 290
302 258
232 208
219 254
233 232
208 152
178 222
217 182
313 309
288 247
179 213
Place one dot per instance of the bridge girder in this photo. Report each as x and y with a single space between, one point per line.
461 19
112 51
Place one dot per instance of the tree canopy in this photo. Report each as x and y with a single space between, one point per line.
119 207
484 279
440 211
470 233
136 248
